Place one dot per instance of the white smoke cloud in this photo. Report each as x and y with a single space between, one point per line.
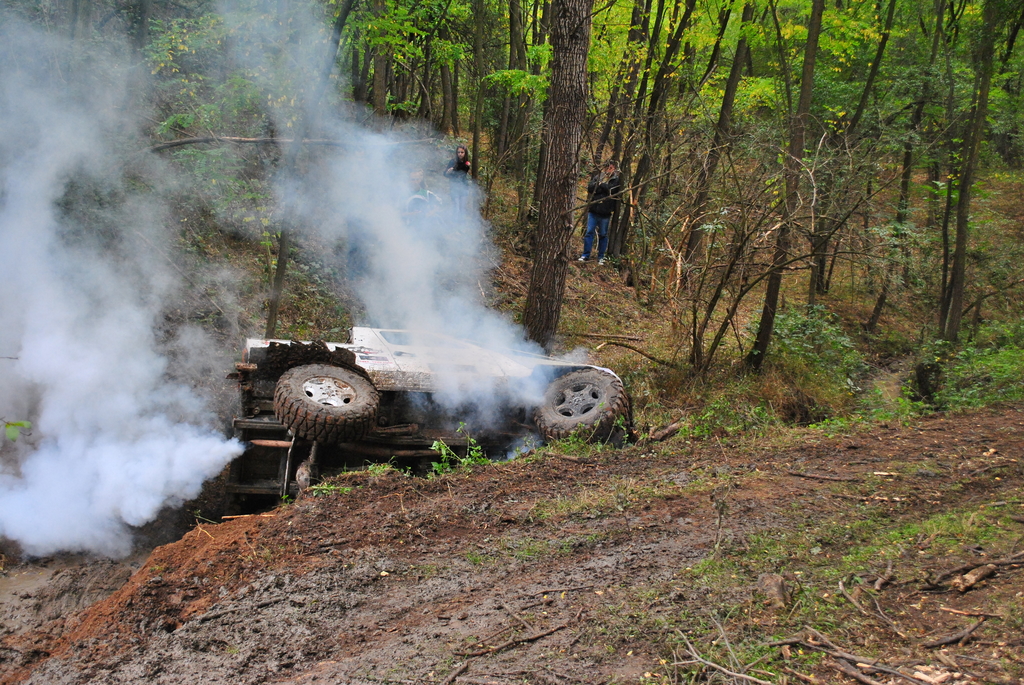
82 296
422 271
113 439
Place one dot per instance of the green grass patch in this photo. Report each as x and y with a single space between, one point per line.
614 496
716 606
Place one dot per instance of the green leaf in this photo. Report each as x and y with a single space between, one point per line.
13 429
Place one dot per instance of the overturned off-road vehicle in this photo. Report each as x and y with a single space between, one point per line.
311 408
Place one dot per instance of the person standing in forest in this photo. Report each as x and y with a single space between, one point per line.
603 195
458 174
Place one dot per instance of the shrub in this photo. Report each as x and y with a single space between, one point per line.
816 363
976 376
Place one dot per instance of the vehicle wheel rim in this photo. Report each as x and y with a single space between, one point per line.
578 400
329 391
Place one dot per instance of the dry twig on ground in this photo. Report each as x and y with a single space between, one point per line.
960 637
692 651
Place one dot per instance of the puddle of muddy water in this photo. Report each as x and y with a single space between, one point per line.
41 590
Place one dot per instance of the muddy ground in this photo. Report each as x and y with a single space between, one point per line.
577 566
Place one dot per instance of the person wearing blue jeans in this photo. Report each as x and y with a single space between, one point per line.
603 190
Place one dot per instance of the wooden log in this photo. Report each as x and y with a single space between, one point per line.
969 580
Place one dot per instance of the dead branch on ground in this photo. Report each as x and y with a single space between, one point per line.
666 432
885 577
814 640
1013 560
878 614
847 668
692 651
806 678
815 476
459 670
967 581
969 613
956 638
512 642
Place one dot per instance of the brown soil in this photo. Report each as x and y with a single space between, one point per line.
569 569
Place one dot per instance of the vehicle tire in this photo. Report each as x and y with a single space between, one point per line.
326 403
589 401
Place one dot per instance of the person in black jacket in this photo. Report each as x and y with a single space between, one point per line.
458 173
603 190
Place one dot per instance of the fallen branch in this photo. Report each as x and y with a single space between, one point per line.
1012 560
459 670
515 616
732 674
666 432
862 662
969 613
851 600
960 637
806 678
512 642
968 580
892 624
814 476
846 667
482 641
878 613
885 577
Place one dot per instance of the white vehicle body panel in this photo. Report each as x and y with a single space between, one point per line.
403 360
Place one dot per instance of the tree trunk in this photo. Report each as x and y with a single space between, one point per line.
903 201
720 143
563 130
447 122
144 8
972 143
479 26
617 243
755 358
380 69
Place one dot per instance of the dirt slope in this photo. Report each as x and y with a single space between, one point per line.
573 568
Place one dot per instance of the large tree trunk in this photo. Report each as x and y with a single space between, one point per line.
448 102
563 131
755 358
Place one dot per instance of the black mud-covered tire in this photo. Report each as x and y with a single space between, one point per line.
326 403
588 401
